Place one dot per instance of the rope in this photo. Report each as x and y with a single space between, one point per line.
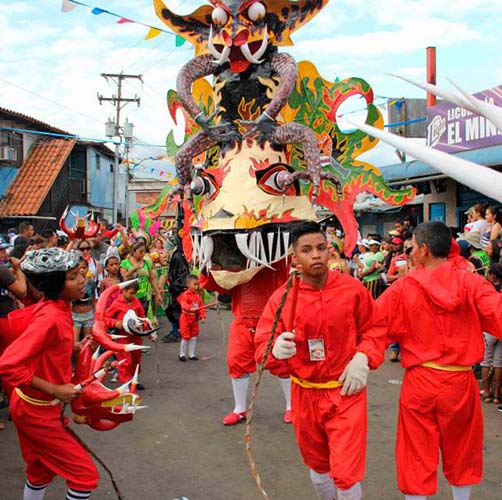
249 419
91 452
223 335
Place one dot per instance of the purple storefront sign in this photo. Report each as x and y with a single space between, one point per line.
453 129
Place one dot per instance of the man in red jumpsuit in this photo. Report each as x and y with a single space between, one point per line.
335 338
437 314
248 301
36 368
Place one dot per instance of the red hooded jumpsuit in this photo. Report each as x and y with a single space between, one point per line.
248 301
44 349
438 316
189 321
330 428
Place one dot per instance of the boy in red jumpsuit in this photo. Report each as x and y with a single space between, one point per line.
114 315
437 314
192 310
36 368
337 339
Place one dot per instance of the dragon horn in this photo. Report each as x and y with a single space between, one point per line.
434 89
489 111
477 177
126 283
116 337
135 347
465 100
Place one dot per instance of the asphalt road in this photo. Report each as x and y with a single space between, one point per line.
177 447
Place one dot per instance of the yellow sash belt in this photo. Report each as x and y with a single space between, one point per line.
446 368
33 401
332 384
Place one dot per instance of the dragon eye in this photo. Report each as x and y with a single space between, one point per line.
272 181
256 12
219 16
205 185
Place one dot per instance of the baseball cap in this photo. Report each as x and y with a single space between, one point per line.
4 244
374 242
393 232
467 212
397 241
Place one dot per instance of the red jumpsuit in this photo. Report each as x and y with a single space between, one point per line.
437 316
248 301
44 349
189 321
114 313
340 320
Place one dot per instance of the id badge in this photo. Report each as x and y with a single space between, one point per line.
316 350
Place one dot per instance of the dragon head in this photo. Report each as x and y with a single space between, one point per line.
240 31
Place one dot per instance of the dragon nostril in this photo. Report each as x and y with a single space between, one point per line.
241 38
227 38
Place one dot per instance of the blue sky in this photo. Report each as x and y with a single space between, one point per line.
51 61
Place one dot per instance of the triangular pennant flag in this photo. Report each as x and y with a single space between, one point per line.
179 41
67 6
152 33
124 20
97 11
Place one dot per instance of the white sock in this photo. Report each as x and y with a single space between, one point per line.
183 347
191 346
323 485
286 389
461 492
34 492
415 497
77 495
240 387
355 492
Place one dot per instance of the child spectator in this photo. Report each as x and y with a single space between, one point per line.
114 316
191 312
83 308
112 277
36 368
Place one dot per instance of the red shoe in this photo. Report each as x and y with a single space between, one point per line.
287 418
234 418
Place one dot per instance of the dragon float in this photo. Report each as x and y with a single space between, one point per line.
262 144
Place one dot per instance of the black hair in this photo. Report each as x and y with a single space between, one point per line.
480 208
496 250
496 270
132 286
192 277
23 226
436 236
303 228
496 212
137 246
48 233
83 261
50 284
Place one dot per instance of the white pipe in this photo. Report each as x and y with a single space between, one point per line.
477 177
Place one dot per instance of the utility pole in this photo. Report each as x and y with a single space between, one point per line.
118 102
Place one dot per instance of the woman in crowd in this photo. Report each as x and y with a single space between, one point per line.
137 266
494 217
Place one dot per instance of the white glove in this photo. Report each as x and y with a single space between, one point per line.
355 374
284 347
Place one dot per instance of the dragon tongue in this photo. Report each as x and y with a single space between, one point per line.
238 66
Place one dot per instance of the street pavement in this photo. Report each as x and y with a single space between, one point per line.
177 447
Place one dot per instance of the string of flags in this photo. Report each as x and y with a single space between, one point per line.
153 31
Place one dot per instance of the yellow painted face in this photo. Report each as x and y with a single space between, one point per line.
244 194
244 221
